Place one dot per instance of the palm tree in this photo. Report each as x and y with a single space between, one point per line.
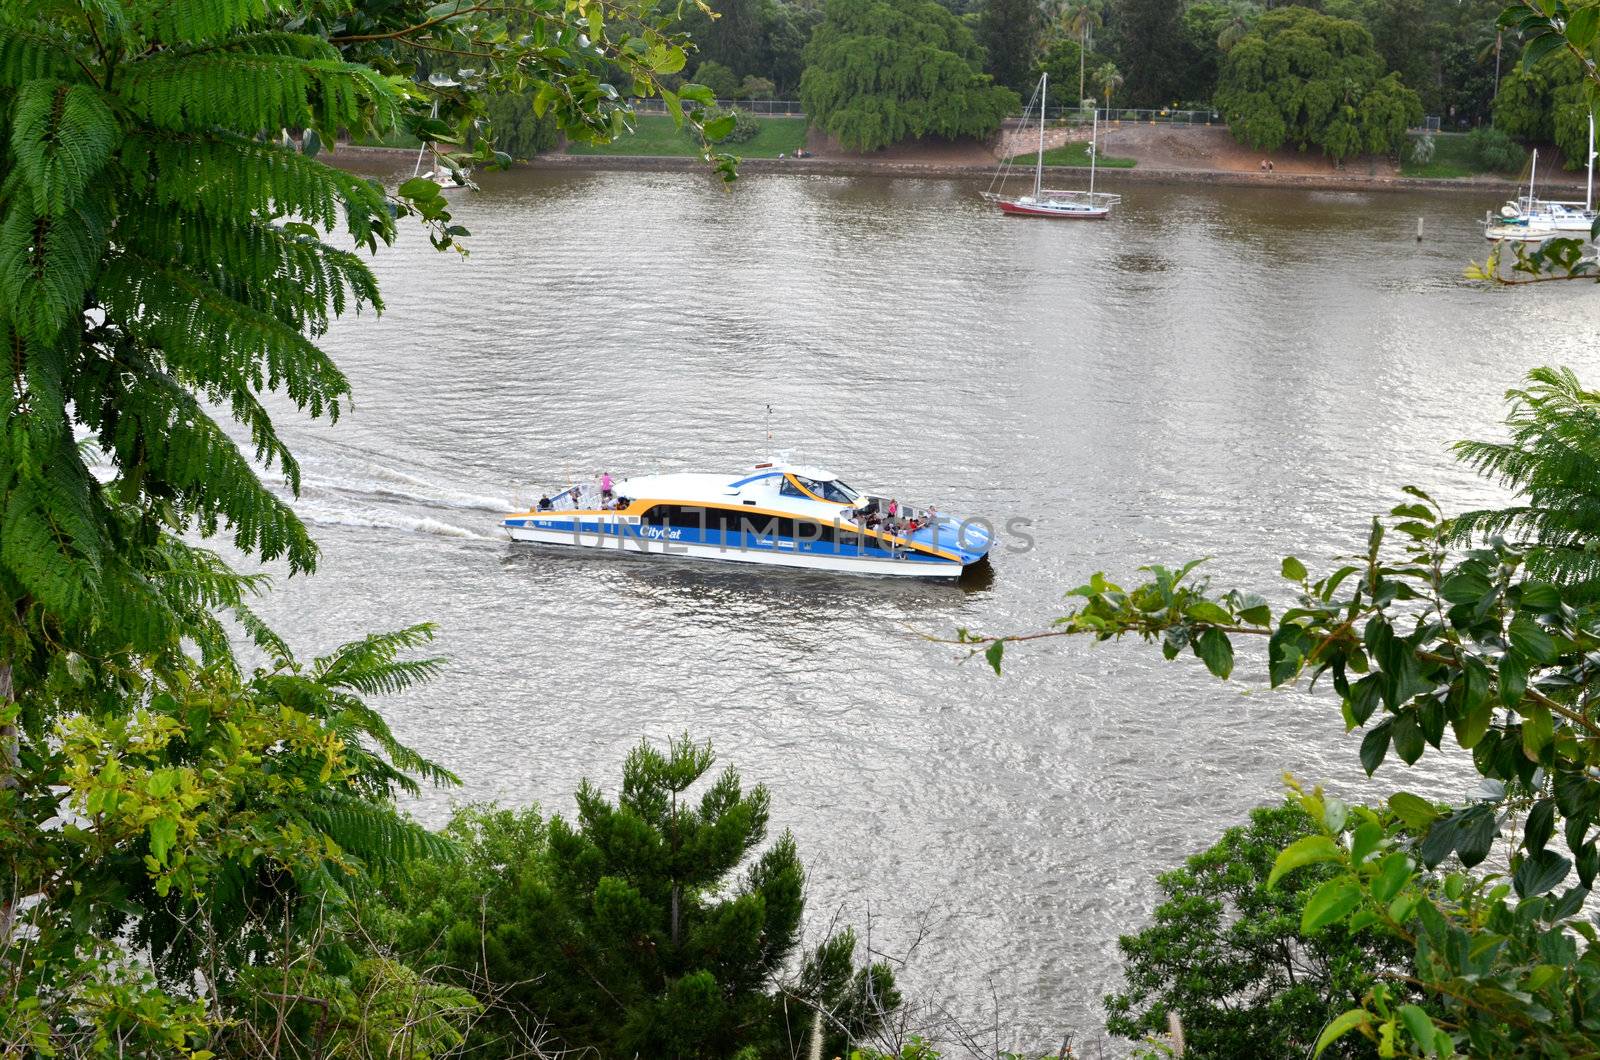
1552 462
1110 79
1077 18
1241 14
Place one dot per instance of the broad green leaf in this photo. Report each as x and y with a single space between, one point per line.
1207 611
1415 811
163 833
1538 729
419 188
1542 597
1332 902
1419 1025
697 93
994 653
719 128
1374 745
1341 1025
1407 736
1540 824
1531 640
1293 569
1216 651
1393 872
1540 872
1308 850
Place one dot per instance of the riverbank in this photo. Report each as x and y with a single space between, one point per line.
1344 180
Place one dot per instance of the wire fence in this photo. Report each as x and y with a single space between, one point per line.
1126 115
776 108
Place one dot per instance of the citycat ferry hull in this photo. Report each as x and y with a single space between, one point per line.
797 518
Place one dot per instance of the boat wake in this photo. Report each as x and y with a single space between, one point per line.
385 521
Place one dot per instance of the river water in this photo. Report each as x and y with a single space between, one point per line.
1223 372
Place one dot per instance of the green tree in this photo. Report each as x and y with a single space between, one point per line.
1009 31
882 71
655 925
1552 462
516 129
1062 60
1078 19
1154 51
718 78
1303 78
786 27
161 260
757 88
730 34
1211 29
1225 952
1110 79
1422 639
1546 103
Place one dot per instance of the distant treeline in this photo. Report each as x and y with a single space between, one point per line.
1340 76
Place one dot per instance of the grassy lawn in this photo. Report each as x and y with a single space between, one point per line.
656 135
1074 154
1450 161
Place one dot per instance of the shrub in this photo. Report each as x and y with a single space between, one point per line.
757 88
1226 955
1421 150
1490 148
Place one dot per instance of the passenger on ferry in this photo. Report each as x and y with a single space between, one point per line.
605 485
544 504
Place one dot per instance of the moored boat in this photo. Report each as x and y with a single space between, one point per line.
1530 219
776 514
1046 202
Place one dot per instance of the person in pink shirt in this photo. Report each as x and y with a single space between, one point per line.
605 485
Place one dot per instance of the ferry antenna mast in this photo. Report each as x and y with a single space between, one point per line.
769 432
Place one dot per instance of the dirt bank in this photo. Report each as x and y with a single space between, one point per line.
1166 154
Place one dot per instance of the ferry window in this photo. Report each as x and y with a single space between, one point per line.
837 491
684 516
789 489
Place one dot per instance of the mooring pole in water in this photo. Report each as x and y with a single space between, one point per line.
1419 230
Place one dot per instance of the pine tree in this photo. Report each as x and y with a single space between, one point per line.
657 925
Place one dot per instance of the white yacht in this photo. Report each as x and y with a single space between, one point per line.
778 514
1530 219
1088 205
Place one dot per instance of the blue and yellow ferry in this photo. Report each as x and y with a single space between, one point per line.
777 514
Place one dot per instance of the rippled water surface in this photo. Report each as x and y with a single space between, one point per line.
1234 373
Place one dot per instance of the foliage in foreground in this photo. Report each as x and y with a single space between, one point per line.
1225 953
1304 78
656 925
183 836
882 71
1434 634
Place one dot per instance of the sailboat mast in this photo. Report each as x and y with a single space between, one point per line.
1038 164
1533 171
1094 150
1588 191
